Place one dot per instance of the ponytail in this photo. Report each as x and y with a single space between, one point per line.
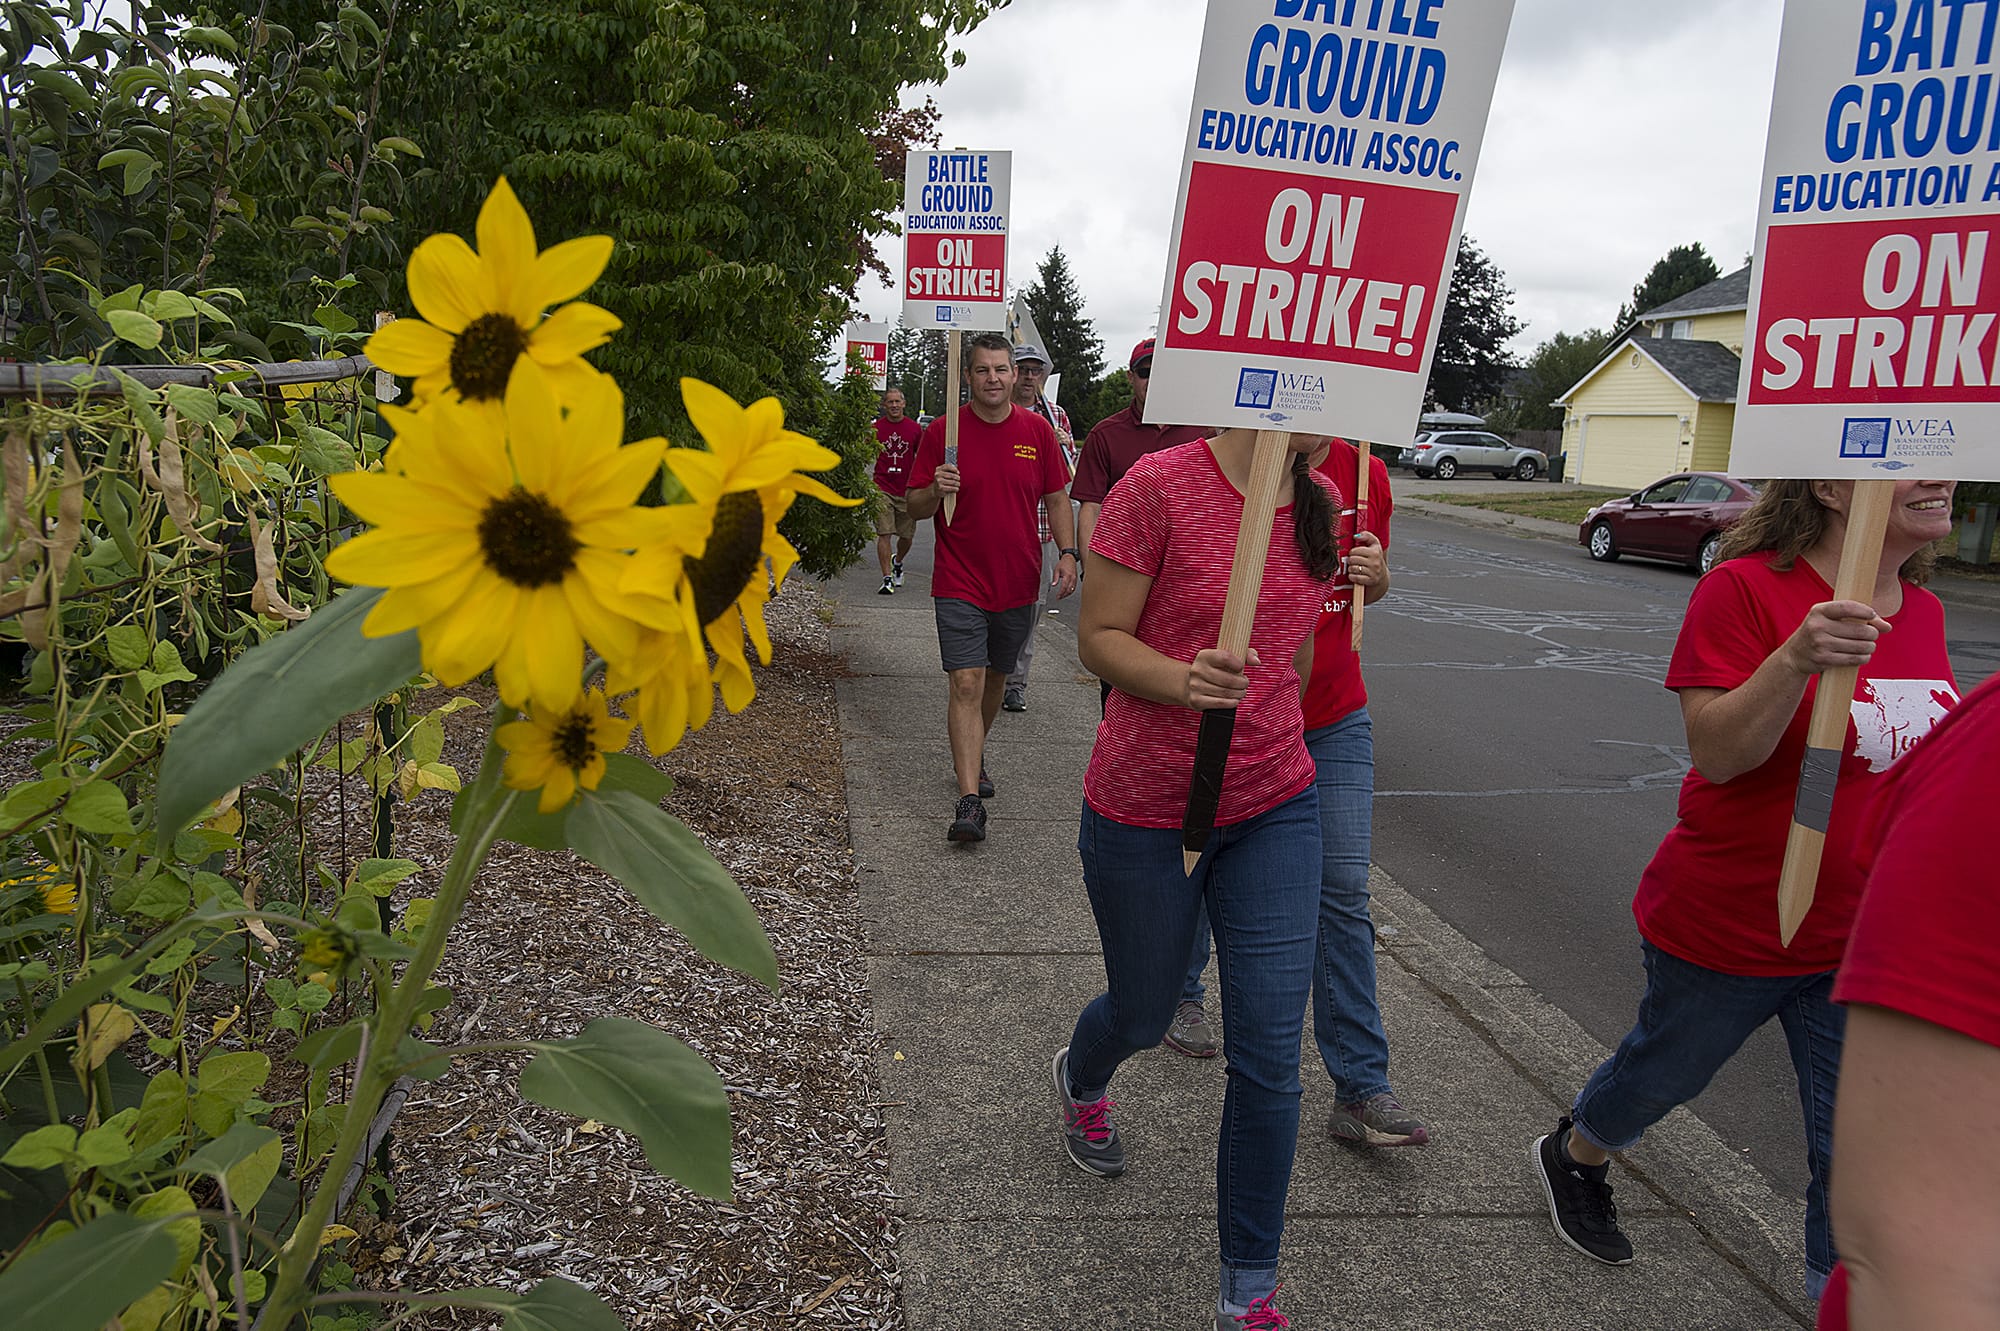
1313 522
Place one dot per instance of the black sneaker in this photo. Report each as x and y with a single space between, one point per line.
887 588
985 784
969 822
1089 1135
1580 1202
1014 700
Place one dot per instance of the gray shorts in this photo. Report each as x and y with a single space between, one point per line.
970 638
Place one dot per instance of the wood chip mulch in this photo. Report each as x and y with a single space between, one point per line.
494 1190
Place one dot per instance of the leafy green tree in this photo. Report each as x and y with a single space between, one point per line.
1075 350
917 366
1472 360
828 538
1105 397
1682 269
1553 369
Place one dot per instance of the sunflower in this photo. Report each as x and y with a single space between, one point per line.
503 539
727 537
482 311
555 752
668 672
58 893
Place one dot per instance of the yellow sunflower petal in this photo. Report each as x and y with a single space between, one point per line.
397 501
592 772
611 485
595 419
444 283
723 423
752 610
534 428
506 246
704 474
390 558
572 379
412 607
553 653
469 640
563 272
410 347
572 330
559 790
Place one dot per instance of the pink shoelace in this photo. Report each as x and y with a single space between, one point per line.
1261 1316
1093 1120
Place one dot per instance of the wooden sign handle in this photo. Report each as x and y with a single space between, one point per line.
1826 735
1268 464
951 417
1360 601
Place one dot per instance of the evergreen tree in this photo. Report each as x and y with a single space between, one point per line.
1472 361
1682 269
1075 350
917 366
1553 369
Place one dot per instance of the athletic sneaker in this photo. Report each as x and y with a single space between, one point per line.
1380 1120
1014 700
1089 1135
985 783
897 576
1260 1316
1580 1201
888 588
1191 1034
969 822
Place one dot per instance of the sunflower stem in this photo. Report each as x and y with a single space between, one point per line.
488 803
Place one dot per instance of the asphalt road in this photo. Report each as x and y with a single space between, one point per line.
1527 760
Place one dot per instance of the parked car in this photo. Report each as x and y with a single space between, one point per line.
1446 453
1681 518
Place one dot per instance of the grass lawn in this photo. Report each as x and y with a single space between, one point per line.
1569 506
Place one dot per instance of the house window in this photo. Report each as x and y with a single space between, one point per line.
1681 328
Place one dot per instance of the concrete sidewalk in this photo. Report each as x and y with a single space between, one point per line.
982 956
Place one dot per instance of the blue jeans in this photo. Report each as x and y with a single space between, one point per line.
1347 1022
1691 1020
1260 883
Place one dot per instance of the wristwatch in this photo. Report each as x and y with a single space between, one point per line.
1072 552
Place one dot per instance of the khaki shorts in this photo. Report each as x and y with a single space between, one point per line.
892 516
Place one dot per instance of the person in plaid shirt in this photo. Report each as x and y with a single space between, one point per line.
1031 370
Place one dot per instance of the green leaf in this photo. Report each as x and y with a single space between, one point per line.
647 1082
216 39
99 807
166 306
246 1158
163 1112
326 452
44 1148
522 825
224 1083
32 800
185 1230
623 771
128 646
194 403
665 865
85 1278
379 877
136 328
160 896
334 319
105 1145
167 668
276 698
331 1047
139 165
555 1305
397 144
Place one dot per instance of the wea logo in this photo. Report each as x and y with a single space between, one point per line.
1257 389
1868 438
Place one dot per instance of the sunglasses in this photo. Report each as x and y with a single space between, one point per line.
1144 369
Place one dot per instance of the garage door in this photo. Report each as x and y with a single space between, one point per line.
1626 452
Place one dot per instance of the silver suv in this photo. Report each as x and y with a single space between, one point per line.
1446 453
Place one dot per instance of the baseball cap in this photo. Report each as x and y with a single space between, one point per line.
1030 351
1144 351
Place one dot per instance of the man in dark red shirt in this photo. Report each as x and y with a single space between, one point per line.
898 435
987 582
1118 441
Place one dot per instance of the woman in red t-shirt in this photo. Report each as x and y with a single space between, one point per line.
1920 1221
1152 612
1759 629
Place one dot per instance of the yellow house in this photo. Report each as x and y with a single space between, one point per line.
1664 398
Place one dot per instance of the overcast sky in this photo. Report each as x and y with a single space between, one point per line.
1620 128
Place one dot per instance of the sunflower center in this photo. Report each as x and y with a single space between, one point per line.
527 540
484 354
735 547
574 743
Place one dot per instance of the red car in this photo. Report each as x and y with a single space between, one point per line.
1680 518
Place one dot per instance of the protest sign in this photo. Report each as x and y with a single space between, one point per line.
955 213
1873 350
1330 150
871 342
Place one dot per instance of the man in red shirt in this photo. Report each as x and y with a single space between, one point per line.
987 582
1118 441
898 436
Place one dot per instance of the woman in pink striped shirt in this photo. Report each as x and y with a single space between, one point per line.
1158 569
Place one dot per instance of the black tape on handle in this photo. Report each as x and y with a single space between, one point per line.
1819 774
1211 761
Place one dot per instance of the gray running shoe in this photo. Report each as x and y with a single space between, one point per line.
1014 700
1259 1316
1380 1120
1191 1034
1089 1135
896 578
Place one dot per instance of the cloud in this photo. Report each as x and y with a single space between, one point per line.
1619 130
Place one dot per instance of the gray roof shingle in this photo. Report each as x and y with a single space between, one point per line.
1709 369
1729 292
